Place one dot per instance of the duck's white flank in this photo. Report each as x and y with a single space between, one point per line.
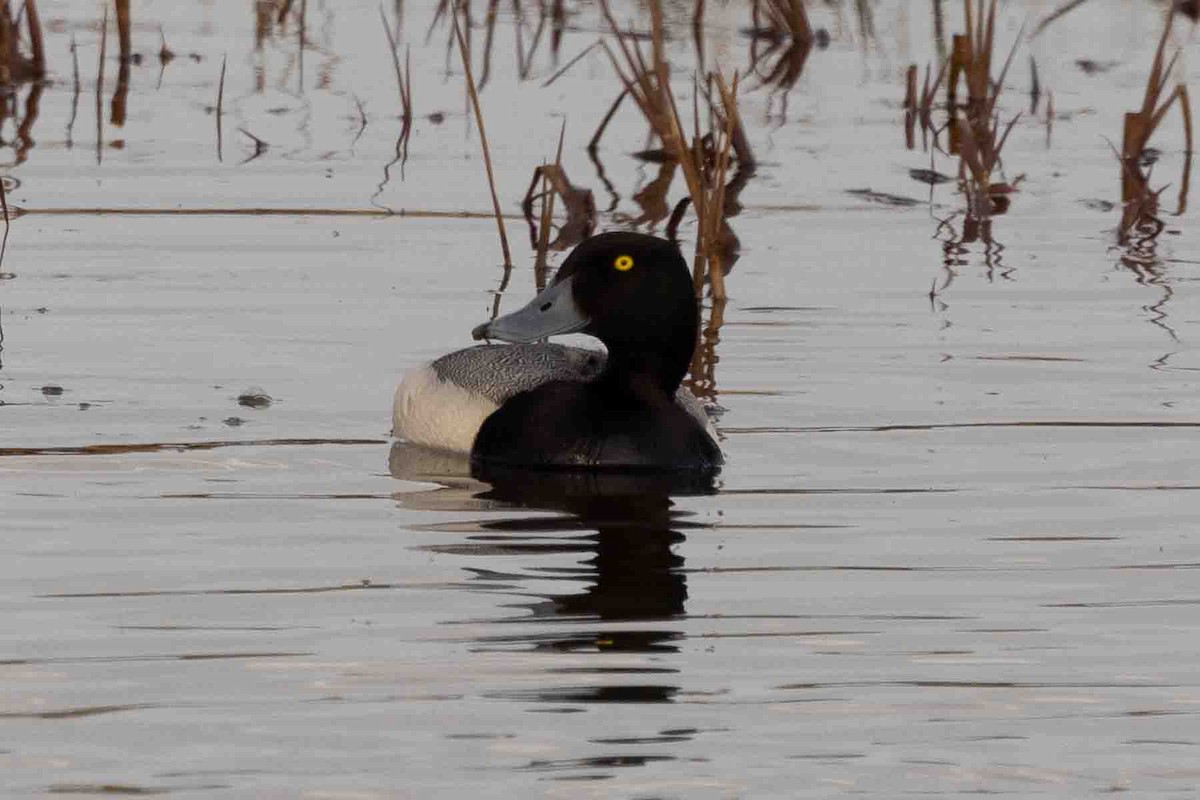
436 413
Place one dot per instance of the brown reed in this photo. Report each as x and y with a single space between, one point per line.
918 105
100 85
17 66
1139 201
4 208
220 106
579 204
648 83
487 158
403 74
784 19
976 134
547 217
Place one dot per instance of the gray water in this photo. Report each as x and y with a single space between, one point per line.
953 551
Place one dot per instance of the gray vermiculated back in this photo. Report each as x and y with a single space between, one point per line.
499 371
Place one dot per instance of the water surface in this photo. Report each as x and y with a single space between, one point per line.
953 550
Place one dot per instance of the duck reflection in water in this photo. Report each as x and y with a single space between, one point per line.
630 531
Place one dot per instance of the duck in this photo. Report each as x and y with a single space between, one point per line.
634 293
444 404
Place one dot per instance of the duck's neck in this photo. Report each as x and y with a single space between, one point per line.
647 373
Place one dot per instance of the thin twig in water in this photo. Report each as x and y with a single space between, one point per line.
74 92
595 142
1058 12
300 42
487 159
362 119
566 67
4 207
100 86
220 106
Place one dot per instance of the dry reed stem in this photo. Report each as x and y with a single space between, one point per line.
713 214
543 242
976 136
15 66
579 204
124 29
76 89
489 33
220 105
1139 201
919 105
1035 87
567 67
1049 116
910 106
284 10
1058 12
4 208
487 159
100 85
37 48
404 86
300 44
649 85
788 18
612 110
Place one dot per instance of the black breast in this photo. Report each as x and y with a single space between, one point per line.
583 426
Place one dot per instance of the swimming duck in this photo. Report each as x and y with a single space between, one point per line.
634 293
442 404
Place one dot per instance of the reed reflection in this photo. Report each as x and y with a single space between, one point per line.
956 250
1140 256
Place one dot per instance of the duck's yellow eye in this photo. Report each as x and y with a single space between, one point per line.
623 263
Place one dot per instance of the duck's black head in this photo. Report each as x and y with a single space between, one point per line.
631 291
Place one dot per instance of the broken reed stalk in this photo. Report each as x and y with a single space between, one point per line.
1140 203
648 83
487 159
